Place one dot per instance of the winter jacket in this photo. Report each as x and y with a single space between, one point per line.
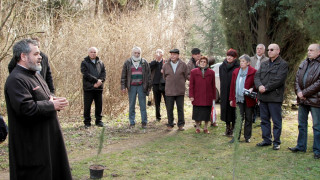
311 90
175 82
202 88
249 83
273 79
225 74
254 60
126 75
91 73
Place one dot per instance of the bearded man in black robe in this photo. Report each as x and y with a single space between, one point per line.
36 145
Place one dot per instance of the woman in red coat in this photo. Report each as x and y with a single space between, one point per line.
202 91
243 78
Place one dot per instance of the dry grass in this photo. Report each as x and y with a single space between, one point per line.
66 45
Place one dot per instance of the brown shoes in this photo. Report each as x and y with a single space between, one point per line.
206 131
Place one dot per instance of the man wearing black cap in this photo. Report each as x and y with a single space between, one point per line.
175 73
195 57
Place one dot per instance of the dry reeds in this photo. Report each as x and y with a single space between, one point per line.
114 36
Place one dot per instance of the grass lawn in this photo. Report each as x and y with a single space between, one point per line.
186 155
157 154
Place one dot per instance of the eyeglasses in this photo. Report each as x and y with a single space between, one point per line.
270 49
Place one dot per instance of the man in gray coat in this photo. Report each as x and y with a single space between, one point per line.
259 57
256 61
270 80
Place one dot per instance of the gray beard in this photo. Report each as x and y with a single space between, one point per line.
33 67
136 59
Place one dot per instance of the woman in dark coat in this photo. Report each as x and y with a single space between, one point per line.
228 113
201 93
243 78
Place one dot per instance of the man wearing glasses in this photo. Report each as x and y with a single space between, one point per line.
270 81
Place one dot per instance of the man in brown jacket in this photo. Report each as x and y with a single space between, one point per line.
175 73
136 80
307 88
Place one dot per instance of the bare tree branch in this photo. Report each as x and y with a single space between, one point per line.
9 14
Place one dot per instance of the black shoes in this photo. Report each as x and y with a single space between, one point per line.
87 126
99 124
276 147
144 125
248 140
263 143
295 149
316 156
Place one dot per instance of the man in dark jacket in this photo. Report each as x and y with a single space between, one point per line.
36 145
270 81
158 81
45 70
175 73
195 57
307 88
136 80
94 74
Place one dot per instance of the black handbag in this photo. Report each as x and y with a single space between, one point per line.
3 130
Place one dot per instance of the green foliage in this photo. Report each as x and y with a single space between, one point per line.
209 32
101 140
290 23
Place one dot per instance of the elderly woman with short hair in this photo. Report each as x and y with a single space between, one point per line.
201 93
243 78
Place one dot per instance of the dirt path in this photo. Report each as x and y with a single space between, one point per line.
136 138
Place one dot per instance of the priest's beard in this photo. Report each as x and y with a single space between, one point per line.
136 59
33 66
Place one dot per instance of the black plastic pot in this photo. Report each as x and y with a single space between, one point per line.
96 171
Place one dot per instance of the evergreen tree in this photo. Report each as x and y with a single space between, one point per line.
290 23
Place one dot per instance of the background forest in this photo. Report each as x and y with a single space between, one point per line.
67 28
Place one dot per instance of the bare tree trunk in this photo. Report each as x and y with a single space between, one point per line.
104 7
96 9
262 27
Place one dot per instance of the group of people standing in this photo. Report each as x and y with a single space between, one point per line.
266 76
36 145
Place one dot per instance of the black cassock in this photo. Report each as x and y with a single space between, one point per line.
36 145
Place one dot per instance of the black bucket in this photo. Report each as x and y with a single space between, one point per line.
96 171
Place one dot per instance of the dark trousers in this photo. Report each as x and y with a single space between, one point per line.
271 110
90 96
170 104
256 113
157 93
246 115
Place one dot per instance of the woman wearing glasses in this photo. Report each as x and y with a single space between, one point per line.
201 93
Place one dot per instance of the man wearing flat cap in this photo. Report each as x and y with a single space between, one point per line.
195 57
175 73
